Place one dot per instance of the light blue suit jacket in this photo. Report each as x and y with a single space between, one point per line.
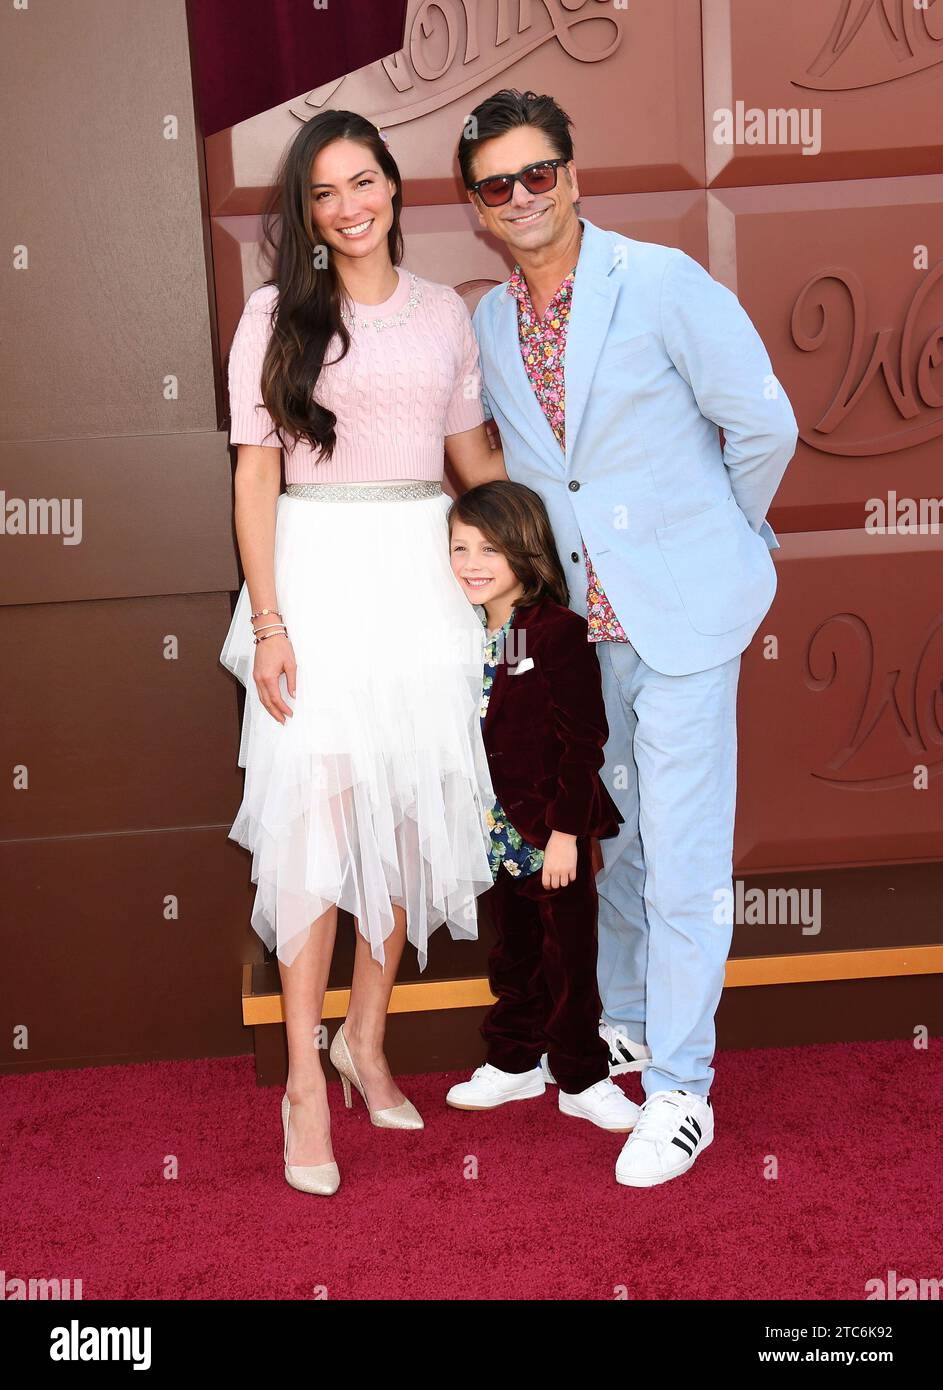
658 355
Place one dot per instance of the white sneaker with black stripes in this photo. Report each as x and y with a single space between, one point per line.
624 1054
671 1131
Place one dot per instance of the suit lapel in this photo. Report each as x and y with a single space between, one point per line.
591 306
518 397
514 652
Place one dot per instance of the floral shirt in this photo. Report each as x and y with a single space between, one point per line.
507 846
543 345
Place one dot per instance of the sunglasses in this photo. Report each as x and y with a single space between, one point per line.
499 188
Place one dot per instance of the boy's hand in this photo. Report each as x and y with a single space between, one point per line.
559 866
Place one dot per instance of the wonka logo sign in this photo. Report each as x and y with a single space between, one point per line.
894 734
833 308
456 46
872 42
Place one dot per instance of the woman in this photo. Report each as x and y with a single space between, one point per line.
367 785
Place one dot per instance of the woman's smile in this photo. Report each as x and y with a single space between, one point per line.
359 230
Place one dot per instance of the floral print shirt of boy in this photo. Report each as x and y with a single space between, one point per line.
507 847
543 346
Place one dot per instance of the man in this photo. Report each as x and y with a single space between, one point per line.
608 365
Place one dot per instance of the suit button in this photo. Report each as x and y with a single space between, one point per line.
574 486
574 556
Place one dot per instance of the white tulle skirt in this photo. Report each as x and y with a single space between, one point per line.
377 789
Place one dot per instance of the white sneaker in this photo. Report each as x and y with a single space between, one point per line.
603 1104
673 1128
624 1054
489 1087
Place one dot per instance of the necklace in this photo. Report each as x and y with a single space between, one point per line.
391 320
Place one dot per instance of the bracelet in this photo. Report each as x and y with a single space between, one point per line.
283 632
264 611
265 627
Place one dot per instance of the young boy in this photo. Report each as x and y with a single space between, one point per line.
544 728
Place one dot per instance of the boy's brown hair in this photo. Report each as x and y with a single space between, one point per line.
515 521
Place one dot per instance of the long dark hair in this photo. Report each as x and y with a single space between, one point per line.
514 519
307 316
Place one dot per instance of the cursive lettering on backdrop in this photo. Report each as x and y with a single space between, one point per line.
841 654
444 36
912 33
909 380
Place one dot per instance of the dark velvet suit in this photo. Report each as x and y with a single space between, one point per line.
545 729
544 732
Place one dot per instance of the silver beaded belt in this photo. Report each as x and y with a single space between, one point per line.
363 492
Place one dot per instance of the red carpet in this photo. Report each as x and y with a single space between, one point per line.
854 1129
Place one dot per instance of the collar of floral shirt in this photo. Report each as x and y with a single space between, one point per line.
517 285
492 637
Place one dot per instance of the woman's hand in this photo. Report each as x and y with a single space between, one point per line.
559 866
273 656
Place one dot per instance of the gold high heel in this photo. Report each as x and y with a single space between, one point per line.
321 1178
404 1116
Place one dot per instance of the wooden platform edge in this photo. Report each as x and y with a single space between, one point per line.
744 971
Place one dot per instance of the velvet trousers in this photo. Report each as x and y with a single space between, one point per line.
542 970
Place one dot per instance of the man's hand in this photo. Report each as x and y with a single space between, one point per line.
595 855
474 458
559 867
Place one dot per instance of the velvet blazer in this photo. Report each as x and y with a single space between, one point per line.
545 727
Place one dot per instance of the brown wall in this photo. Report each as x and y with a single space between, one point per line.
124 906
840 691
131 757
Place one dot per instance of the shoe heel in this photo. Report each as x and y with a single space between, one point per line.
403 1116
322 1179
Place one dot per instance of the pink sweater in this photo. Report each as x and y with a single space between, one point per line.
399 391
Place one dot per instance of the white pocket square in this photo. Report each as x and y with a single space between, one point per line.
526 664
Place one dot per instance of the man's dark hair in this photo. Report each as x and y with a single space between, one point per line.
505 111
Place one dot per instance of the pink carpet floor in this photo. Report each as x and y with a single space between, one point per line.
853 1130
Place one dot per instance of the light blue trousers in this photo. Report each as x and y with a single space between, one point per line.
671 768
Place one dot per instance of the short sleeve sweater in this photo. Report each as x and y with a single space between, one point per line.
399 391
